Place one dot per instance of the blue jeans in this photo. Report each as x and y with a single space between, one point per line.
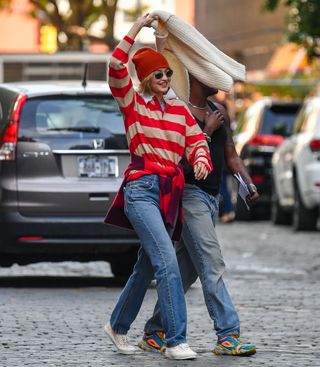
156 258
199 254
227 205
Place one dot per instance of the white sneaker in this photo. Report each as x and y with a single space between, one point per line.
120 341
180 351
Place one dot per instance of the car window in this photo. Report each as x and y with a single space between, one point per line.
52 115
307 117
310 121
278 119
7 99
299 120
77 119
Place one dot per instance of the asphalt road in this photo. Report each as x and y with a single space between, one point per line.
53 314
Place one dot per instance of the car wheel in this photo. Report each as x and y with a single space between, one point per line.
123 268
278 215
304 219
5 261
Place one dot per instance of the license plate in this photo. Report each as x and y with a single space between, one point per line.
95 166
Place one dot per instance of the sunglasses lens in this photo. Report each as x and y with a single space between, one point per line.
169 73
158 75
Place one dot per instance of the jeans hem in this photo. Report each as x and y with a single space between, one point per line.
153 331
236 332
174 344
121 331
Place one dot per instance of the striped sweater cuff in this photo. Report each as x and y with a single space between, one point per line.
203 156
205 162
129 39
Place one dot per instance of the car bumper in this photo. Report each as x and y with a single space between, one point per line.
63 235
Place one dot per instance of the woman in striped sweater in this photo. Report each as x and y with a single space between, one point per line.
159 134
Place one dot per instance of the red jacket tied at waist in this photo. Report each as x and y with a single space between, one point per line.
171 184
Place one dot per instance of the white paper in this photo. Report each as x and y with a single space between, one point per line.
243 189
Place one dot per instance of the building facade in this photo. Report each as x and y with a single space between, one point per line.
184 9
18 31
242 30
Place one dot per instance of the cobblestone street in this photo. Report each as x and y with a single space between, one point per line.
273 276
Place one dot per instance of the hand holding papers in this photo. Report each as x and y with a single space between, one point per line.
244 189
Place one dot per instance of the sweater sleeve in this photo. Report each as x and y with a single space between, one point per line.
197 149
120 83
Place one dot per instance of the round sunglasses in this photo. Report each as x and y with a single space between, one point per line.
159 74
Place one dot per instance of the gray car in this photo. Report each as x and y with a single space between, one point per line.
63 152
263 126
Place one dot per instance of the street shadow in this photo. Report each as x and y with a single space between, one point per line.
60 282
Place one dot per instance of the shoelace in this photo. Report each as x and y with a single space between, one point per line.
123 340
183 346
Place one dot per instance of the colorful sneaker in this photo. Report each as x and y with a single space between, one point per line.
233 346
153 342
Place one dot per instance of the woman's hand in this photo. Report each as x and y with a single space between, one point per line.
145 20
213 121
200 171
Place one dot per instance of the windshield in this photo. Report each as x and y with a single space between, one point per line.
73 122
279 119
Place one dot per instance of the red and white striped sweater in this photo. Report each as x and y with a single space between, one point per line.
163 137
157 138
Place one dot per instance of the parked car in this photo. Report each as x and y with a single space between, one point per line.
296 172
262 127
63 151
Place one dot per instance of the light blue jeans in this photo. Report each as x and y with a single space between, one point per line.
199 254
156 259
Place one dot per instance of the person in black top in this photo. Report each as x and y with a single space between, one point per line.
199 252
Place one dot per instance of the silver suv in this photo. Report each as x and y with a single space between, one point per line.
63 151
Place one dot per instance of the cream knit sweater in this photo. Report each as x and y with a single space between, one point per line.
200 57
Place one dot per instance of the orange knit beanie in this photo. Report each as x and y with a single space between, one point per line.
146 60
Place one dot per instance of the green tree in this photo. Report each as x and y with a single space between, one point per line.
75 19
303 22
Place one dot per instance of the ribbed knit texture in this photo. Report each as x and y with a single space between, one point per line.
200 57
157 138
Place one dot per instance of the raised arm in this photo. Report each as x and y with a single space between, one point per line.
118 76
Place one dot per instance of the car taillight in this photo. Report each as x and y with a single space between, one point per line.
258 179
266 140
30 238
9 140
315 145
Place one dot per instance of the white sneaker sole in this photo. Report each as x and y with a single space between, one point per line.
182 357
119 350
